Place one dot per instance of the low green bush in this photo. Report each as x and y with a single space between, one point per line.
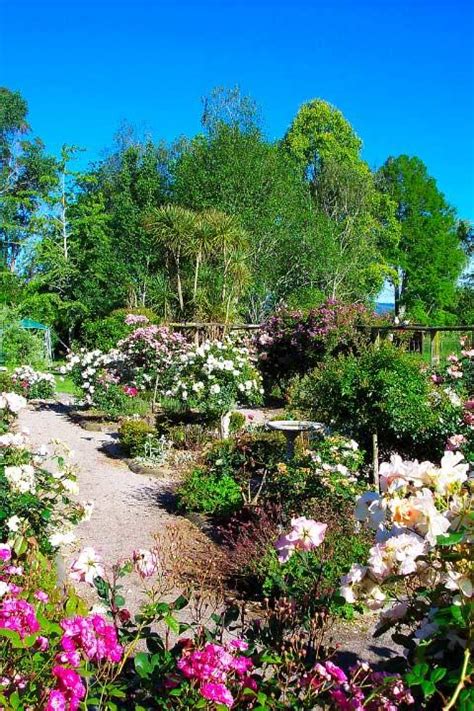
113 402
6 382
384 390
134 435
22 347
209 493
185 436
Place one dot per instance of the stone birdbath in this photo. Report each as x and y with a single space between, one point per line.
292 428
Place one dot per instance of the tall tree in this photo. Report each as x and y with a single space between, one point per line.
429 257
27 175
351 222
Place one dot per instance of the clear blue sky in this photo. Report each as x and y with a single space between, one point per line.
402 72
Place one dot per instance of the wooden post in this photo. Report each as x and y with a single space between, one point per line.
435 347
375 459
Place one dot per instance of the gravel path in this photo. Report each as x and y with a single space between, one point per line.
127 510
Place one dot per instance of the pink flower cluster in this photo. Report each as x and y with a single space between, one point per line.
19 616
136 319
130 390
354 691
92 636
69 690
214 666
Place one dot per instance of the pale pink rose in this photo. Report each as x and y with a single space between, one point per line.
305 535
145 561
87 566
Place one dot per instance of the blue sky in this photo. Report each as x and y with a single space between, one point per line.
402 72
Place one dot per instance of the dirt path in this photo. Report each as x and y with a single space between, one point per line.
127 510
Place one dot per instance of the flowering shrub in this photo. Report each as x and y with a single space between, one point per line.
214 378
33 384
293 342
30 493
421 563
149 352
456 381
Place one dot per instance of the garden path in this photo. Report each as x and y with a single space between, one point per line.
128 507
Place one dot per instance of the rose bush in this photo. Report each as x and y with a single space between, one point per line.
293 342
213 378
33 384
420 572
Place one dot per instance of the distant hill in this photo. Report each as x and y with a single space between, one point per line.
383 307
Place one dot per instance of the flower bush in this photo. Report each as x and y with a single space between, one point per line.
32 486
33 384
213 378
419 570
456 381
384 390
293 342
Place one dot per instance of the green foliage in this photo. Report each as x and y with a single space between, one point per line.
237 422
210 493
113 402
134 435
105 333
424 286
22 347
384 390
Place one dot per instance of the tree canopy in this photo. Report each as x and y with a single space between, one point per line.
224 225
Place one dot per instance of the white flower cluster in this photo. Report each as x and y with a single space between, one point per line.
11 403
418 503
26 376
50 486
22 478
215 372
89 366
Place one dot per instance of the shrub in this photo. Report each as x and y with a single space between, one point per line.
6 382
134 435
210 493
185 435
21 346
293 342
383 390
105 333
33 384
213 378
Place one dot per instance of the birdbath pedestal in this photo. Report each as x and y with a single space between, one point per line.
292 428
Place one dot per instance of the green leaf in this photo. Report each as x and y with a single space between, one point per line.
438 674
450 539
142 664
428 688
172 623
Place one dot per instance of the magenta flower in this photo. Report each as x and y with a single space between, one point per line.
218 693
5 552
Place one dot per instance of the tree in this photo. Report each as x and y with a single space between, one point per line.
429 257
27 175
133 180
239 173
351 223
319 132
205 257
